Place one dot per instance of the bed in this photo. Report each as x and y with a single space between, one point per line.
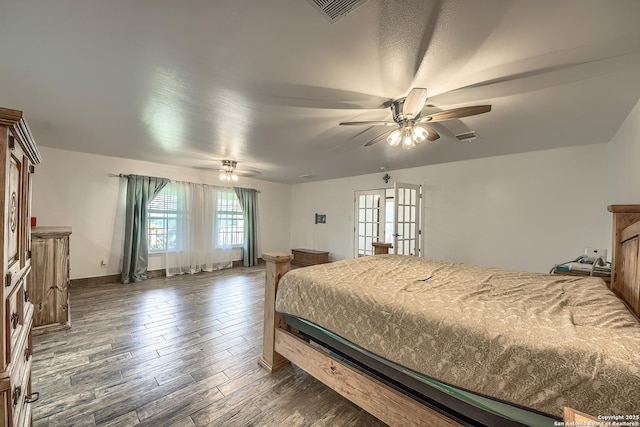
423 342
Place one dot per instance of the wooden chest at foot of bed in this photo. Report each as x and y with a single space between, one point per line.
306 257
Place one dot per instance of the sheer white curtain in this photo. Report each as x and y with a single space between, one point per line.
196 249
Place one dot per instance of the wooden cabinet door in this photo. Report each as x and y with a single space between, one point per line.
15 217
49 280
43 288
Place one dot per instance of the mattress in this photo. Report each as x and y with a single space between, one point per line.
535 340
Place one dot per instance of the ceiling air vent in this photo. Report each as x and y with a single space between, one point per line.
467 136
334 10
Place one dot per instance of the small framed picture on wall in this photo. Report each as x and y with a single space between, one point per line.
321 219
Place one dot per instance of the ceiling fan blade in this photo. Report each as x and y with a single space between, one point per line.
432 135
247 173
368 123
378 138
456 113
414 102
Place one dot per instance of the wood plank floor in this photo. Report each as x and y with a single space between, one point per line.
177 352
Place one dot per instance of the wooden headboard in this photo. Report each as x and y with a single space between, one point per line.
625 275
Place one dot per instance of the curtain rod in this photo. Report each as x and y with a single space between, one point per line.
125 175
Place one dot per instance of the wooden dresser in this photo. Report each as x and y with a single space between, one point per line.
19 155
305 257
48 283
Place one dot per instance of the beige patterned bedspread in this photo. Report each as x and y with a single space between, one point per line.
537 340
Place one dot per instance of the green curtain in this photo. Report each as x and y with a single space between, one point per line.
247 198
140 191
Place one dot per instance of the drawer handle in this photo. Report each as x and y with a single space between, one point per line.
16 395
33 397
15 317
27 354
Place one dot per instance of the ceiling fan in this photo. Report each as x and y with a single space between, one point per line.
229 173
413 128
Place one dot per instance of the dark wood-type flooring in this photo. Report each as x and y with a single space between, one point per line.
178 351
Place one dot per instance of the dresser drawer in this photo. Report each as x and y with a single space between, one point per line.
21 399
21 355
25 415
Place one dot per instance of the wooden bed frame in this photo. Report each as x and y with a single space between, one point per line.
281 344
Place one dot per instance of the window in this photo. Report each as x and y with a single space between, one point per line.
162 220
165 215
229 219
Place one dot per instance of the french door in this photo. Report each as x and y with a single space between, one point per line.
391 216
406 221
369 221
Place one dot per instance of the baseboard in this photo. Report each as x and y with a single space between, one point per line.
116 278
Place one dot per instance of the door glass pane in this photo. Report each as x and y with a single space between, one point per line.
400 197
370 223
413 213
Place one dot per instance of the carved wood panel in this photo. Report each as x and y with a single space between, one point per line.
14 199
630 274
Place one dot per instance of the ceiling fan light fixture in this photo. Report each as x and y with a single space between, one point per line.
395 137
419 134
408 136
228 176
229 171
407 139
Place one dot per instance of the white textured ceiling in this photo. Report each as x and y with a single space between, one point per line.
267 82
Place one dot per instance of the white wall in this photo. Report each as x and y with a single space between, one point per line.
525 211
75 189
625 160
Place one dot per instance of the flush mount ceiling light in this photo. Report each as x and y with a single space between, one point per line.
413 128
228 171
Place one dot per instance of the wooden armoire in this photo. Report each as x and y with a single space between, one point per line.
19 155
